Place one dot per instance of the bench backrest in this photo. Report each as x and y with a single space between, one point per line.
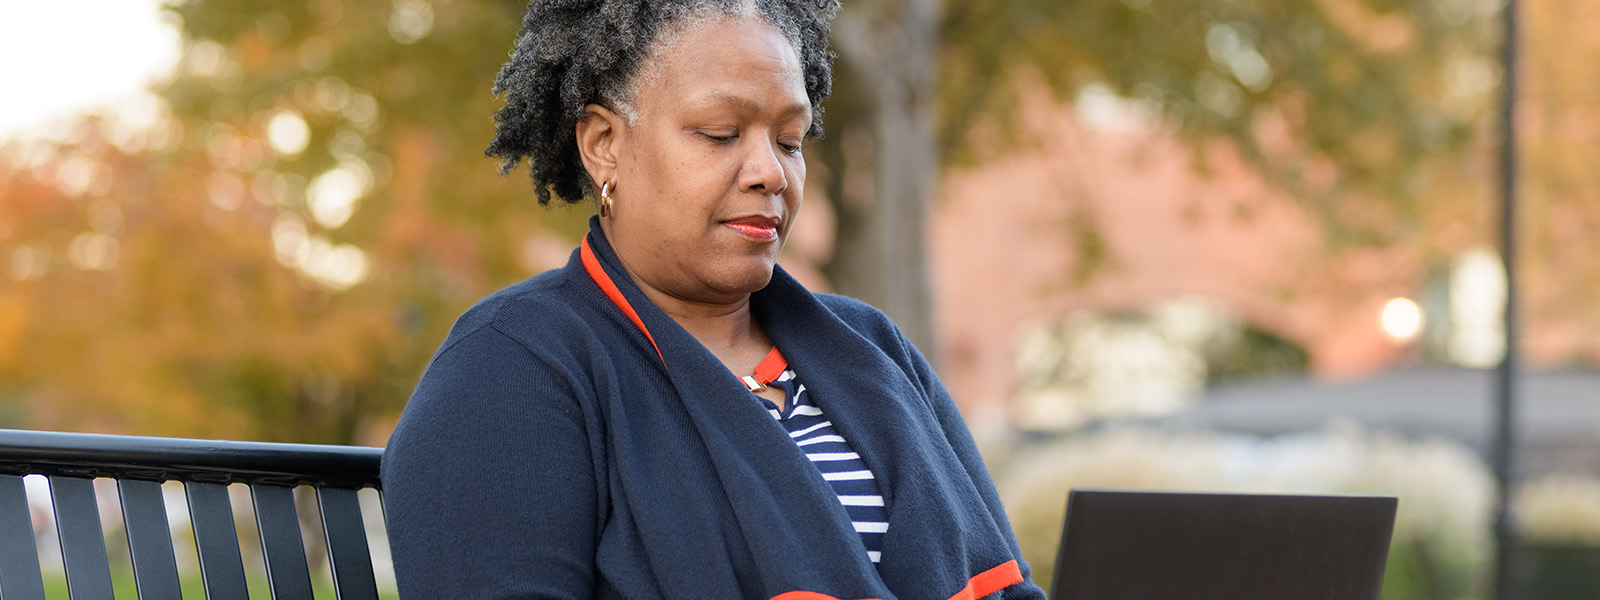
71 461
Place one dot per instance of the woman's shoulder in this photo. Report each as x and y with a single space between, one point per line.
529 311
865 319
534 331
849 309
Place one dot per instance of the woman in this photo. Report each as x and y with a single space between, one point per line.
671 415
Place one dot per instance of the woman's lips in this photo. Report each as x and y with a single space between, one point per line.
756 228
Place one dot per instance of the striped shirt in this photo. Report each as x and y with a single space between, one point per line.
840 466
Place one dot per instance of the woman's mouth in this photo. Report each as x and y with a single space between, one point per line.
756 228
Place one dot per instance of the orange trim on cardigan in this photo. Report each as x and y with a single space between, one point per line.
771 367
980 585
598 274
807 596
990 581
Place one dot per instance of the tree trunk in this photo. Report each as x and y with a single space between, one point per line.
881 253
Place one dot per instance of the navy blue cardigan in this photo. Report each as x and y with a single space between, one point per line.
569 440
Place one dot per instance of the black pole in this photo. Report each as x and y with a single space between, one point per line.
1505 533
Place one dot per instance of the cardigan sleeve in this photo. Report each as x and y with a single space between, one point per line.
966 450
960 439
489 486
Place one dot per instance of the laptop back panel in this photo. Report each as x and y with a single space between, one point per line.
1139 545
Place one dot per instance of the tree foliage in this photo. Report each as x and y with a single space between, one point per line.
1374 91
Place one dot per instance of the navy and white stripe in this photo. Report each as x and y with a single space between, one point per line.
840 466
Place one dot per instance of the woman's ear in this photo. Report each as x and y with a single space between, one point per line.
599 135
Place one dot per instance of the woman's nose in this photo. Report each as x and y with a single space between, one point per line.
763 169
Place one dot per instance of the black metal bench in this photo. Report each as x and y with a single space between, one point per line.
71 461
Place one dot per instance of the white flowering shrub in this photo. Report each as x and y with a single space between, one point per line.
1563 509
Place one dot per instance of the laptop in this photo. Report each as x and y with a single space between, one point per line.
1146 545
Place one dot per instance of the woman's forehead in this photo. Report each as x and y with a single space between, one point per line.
796 106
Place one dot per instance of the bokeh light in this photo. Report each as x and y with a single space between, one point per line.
333 195
288 133
1402 319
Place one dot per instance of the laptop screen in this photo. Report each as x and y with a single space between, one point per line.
1143 545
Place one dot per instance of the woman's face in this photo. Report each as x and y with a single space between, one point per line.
707 181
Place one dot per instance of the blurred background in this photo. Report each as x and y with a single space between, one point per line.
1171 244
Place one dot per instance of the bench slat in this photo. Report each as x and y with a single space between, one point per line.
83 544
350 559
19 556
217 541
144 511
281 542
113 455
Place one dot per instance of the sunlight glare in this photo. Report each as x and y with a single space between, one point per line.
1402 319
83 56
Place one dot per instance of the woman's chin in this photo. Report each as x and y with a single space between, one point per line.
747 276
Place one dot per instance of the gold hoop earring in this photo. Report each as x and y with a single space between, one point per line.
605 199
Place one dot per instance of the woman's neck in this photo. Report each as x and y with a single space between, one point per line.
727 330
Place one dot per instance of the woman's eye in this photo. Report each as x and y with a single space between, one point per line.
720 138
791 149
